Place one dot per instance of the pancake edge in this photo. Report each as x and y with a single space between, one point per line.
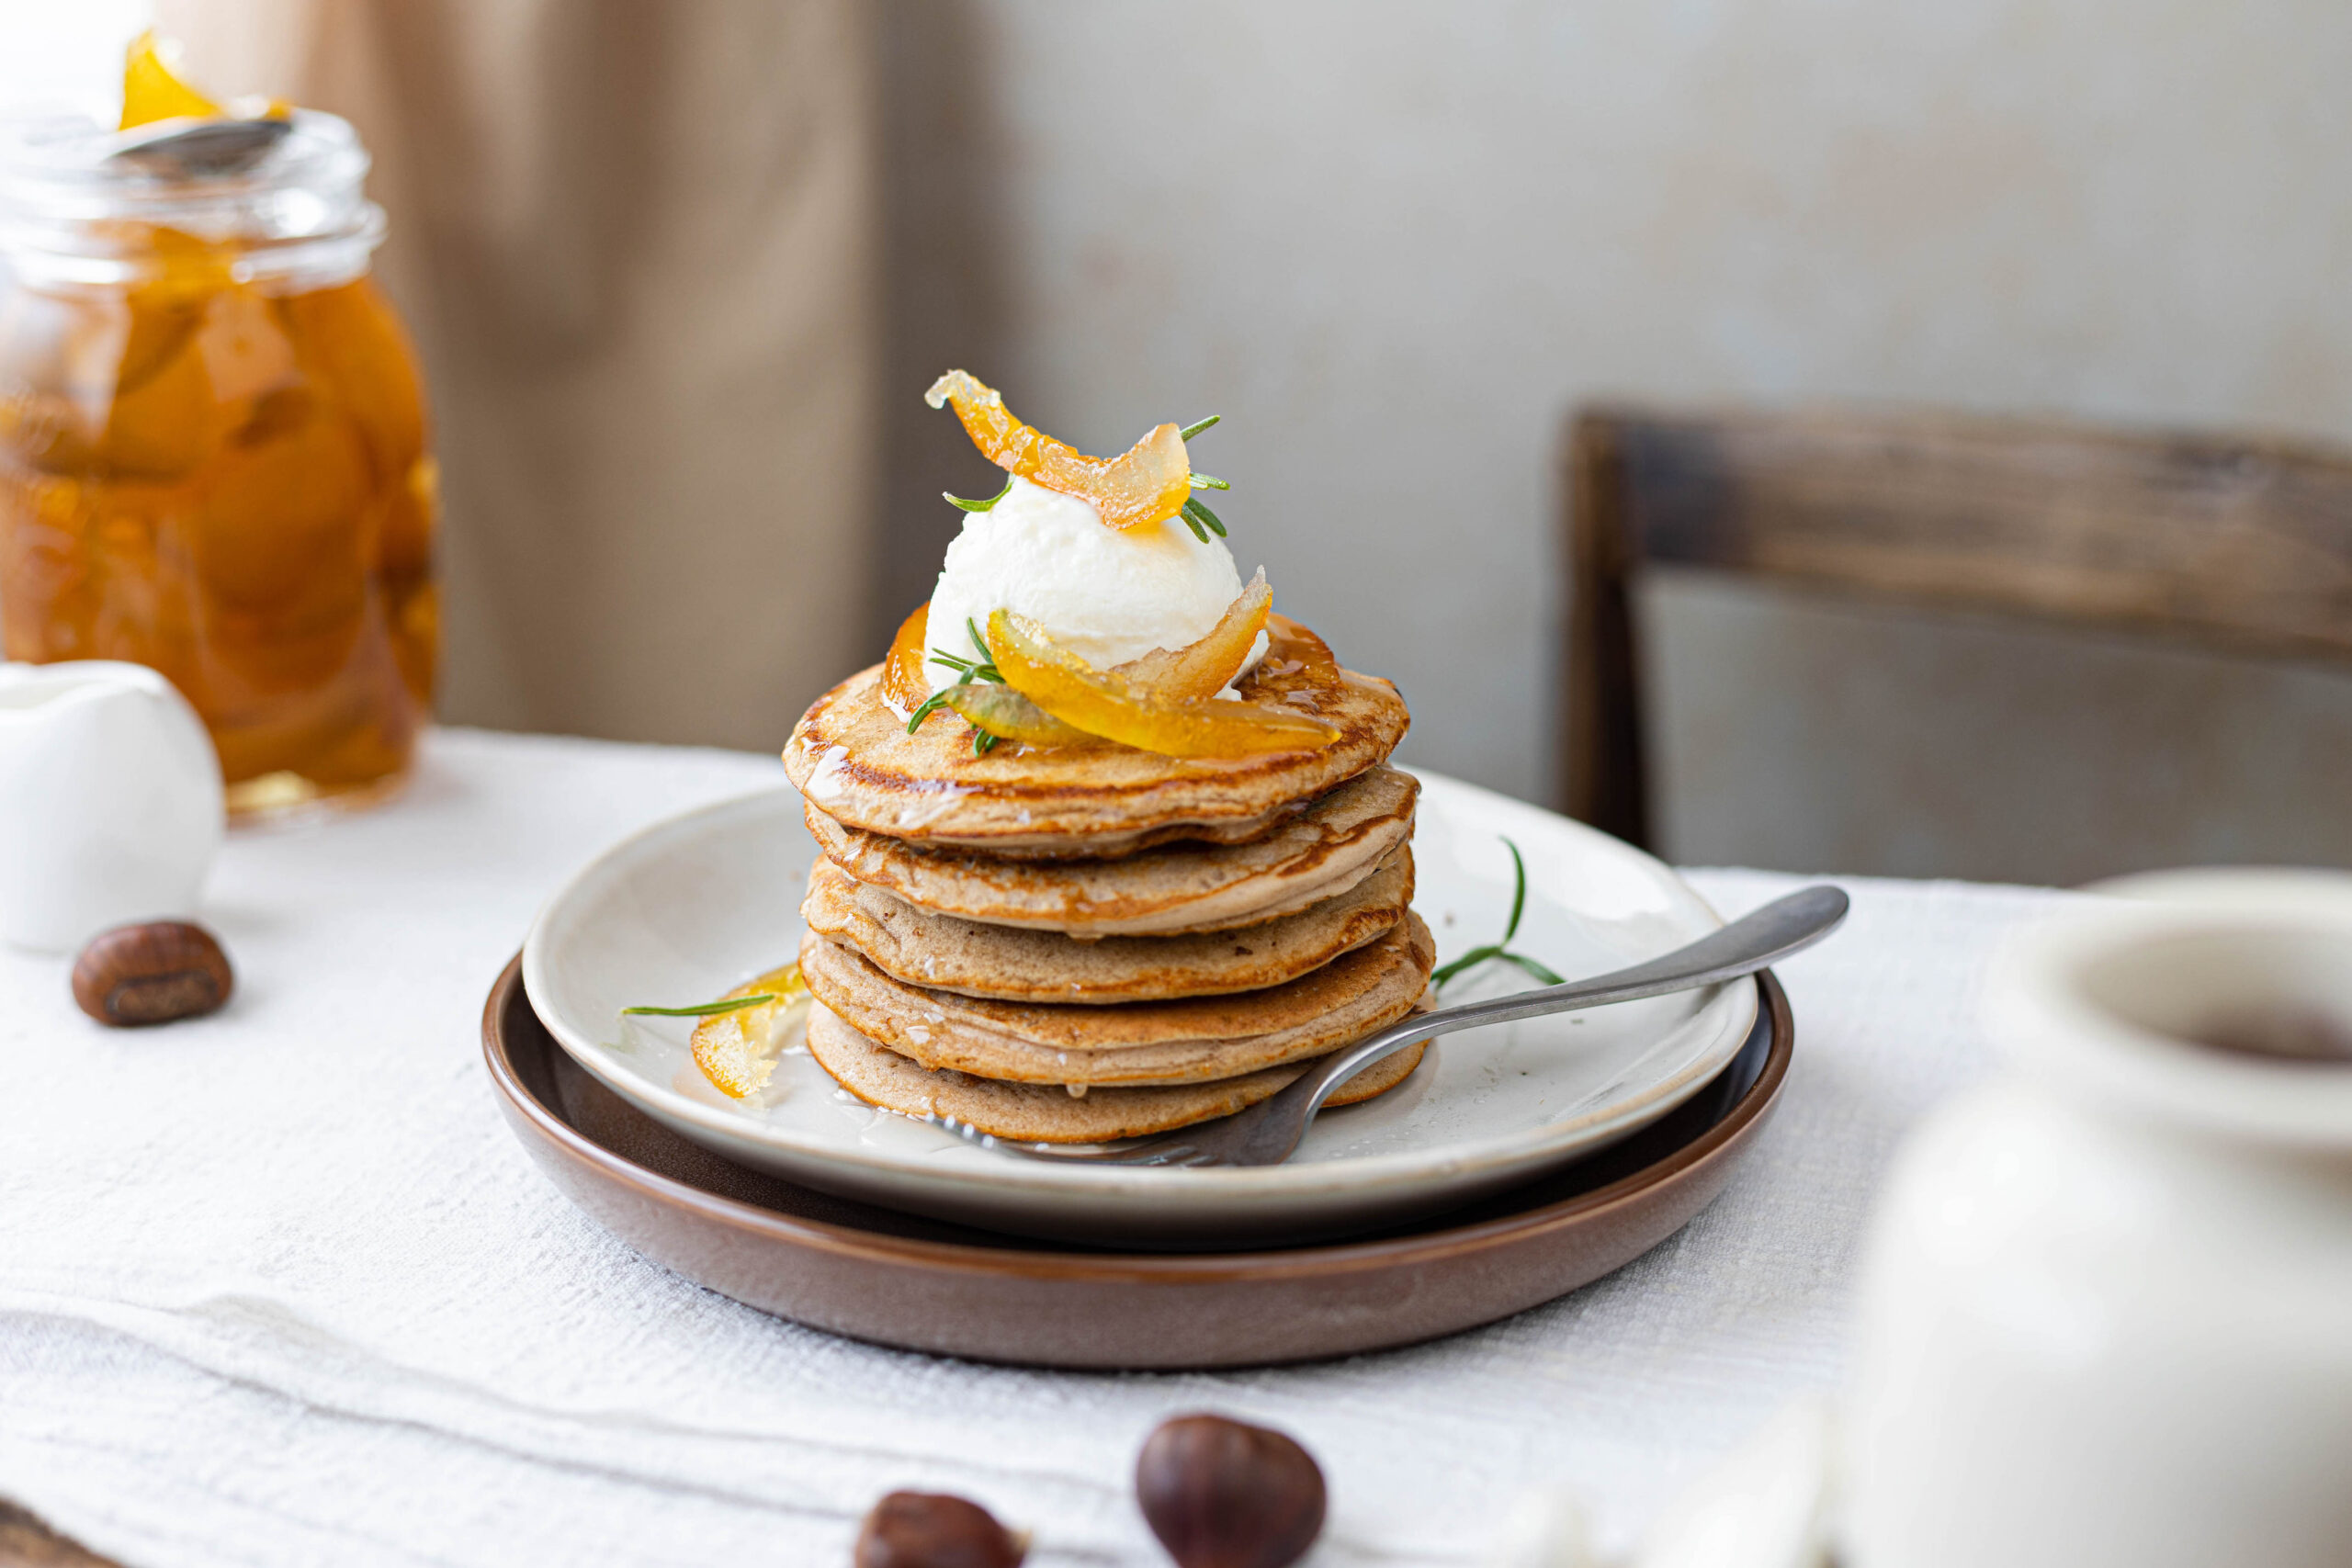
1048 1115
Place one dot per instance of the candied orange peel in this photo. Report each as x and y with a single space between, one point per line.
153 91
1206 667
903 680
1147 483
1298 661
1106 703
737 1050
1004 713
1199 671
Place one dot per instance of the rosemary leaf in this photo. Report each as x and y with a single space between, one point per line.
732 1004
1193 523
1501 950
1208 482
978 505
1540 971
1197 427
966 672
1518 891
1477 955
930 705
1195 511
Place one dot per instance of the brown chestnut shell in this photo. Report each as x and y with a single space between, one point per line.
135 975
1221 1493
934 1530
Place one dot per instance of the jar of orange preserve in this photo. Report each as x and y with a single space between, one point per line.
213 448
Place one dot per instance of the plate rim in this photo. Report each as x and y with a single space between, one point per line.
1025 1259
1331 1180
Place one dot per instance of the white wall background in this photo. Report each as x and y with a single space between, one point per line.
1395 242
66 53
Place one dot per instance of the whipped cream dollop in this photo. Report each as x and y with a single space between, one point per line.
1107 594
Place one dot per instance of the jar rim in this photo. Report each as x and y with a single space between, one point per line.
72 207
2113 998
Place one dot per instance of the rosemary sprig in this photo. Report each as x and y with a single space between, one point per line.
982 669
978 505
966 672
732 1004
1201 520
1501 950
1197 518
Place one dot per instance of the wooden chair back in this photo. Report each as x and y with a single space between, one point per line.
2239 544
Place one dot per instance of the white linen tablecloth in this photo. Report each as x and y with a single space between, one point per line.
279 1287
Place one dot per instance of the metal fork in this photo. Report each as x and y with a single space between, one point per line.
1268 1132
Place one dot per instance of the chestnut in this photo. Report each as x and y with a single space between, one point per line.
934 1530
1222 1494
153 972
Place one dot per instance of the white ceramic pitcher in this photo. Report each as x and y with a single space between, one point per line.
2107 1312
110 801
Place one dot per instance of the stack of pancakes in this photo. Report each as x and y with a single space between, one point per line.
1073 945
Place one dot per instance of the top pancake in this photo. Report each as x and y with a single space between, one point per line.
852 759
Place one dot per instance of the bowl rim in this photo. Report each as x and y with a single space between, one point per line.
2040 1007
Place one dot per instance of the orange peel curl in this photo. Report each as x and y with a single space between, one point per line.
1147 483
903 680
1206 667
153 91
1105 702
737 1050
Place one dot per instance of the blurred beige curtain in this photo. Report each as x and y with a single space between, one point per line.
635 241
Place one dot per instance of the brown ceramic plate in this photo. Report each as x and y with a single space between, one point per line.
923 1284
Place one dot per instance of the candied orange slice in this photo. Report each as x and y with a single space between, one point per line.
152 90
1007 714
903 680
1296 658
1298 673
1001 711
737 1050
1104 703
1151 481
1203 669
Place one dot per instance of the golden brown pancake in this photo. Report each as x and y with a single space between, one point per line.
1329 846
942 953
851 758
1185 1041
1044 1113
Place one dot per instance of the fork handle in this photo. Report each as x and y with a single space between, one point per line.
1756 940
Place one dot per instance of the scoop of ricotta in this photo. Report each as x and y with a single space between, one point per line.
1107 594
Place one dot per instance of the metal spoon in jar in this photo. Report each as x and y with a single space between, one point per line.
1269 1132
185 147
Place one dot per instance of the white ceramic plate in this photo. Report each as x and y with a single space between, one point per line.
684 910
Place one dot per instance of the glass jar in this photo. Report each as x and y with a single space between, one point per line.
214 456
